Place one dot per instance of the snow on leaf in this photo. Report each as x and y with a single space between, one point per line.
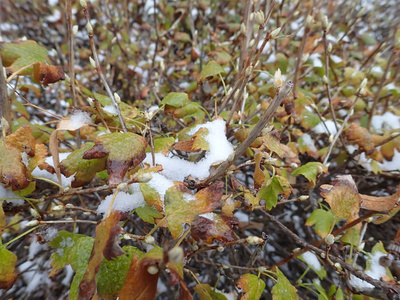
252 286
175 99
361 136
283 289
105 244
343 197
272 189
123 151
18 55
7 268
140 284
310 170
83 169
218 227
323 221
206 292
211 69
180 211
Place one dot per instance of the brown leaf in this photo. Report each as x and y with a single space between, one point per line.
23 140
309 47
229 205
46 74
104 245
259 176
343 197
186 146
361 136
380 204
220 227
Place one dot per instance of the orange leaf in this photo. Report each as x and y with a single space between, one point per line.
217 227
104 245
23 140
229 205
141 281
361 136
343 197
186 146
46 74
380 204
259 176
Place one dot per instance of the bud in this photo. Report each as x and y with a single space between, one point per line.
323 255
275 33
114 40
152 270
259 17
305 58
58 208
126 236
330 239
243 28
4 124
249 70
149 240
331 137
175 255
117 98
254 240
303 197
121 186
144 177
75 30
362 12
294 165
337 265
251 16
361 246
83 3
325 79
92 62
262 269
220 249
309 20
329 49
278 79
69 205
363 84
325 22
252 42
32 223
89 28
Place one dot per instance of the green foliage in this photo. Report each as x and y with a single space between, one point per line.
283 289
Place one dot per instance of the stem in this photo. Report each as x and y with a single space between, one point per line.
5 105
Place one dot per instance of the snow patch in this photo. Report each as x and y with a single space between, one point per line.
124 202
312 260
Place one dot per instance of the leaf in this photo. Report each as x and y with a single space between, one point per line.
46 74
123 151
360 136
105 244
211 69
148 214
273 188
214 227
182 207
258 176
206 292
343 197
323 221
3 222
23 140
175 99
252 286
283 289
112 273
310 171
84 170
151 196
140 284
12 169
229 205
313 263
380 204
352 235
163 145
21 54
353 76
7 268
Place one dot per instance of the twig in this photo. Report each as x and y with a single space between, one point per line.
266 117
98 68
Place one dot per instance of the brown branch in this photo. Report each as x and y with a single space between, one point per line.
5 105
283 93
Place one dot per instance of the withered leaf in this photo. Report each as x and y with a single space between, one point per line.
217 227
380 204
123 151
361 136
13 172
46 74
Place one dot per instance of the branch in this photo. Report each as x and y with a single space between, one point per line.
281 95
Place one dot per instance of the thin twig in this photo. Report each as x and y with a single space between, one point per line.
266 117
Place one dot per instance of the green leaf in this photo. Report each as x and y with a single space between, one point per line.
310 171
312 262
84 170
16 56
353 76
175 99
252 286
7 268
323 221
112 273
309 119
351 236
148 214
283 289
151 196
188 109
206 292
211 69
163 145
273 187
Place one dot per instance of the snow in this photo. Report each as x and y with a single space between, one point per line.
376 271
175 168
50 233
124 202
9 196
315 58
110 109
65 182
312 260
80 118
208 216
309 142
330 124
35 248
386 121
160 183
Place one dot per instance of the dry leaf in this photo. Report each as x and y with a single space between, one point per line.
361 136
